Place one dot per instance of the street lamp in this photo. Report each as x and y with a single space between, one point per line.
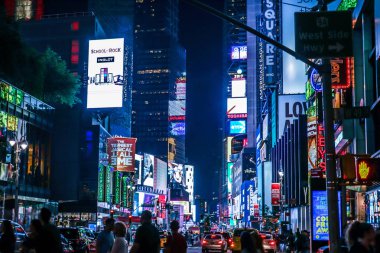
281 174
19 145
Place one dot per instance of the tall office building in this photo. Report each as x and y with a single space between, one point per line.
159 87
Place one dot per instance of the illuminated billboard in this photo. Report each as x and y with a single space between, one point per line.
177 108
105 73
189 181
236 106
161 177
147 177
121 153
180 88
238 87
176 173
177 128
290 107
237 127
238 52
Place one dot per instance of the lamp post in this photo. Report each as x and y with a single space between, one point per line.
19 145
281 175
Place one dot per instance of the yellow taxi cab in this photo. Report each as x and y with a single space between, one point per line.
236 245
163 238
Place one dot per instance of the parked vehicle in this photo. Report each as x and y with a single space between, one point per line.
78 239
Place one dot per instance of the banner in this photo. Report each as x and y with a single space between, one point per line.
121 153
276 194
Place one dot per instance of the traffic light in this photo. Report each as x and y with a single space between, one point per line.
112 212
367 169
130 219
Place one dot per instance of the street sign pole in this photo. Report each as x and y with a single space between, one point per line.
331 182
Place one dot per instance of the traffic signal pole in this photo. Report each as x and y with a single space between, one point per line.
325 69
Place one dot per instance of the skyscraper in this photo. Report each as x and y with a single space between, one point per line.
159 86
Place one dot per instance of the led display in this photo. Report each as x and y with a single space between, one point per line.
178 128
177 108
236 105
237 127
238 88
105 73
238 52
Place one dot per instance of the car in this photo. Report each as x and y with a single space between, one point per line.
78 239
214 242
269 243
326 249
19 232
163 238
236 245
226 235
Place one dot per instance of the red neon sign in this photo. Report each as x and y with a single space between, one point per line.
341 73
237 116
177 118
321 150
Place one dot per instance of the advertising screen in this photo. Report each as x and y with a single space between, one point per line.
161 175
236 105
177 108
121 153
189 181
290 107
177 128
138 167
105 73
320 216
229 177
148 170
176 173
238 87
238 52
237 127
180 88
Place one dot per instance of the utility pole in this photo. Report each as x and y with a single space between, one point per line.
325 69
331 182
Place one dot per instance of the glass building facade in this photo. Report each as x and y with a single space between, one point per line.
25 118
159 64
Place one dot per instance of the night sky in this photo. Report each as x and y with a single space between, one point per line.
201 35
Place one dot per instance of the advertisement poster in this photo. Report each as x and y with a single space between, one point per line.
161 175
121 153
180 88
320 216
177 128
276 194
236 105
176 173
177 108
237 127
238 52
238 87
290 107
105 73
148 170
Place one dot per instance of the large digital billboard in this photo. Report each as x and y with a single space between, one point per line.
121 153
177 128
238 87
238 52
320 216
180 88
147 177
105 73
290 107
161 177
237 127
176 173
177 108
236 105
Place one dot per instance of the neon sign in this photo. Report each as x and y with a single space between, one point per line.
321 150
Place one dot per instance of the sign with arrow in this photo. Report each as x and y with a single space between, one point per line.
323 34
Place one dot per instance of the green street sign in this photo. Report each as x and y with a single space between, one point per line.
323 34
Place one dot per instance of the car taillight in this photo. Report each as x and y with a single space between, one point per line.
220 242
230 240
204 242
263 236
272 243
232 245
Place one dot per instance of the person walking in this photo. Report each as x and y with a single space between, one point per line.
176 243
8 238
147 238
32 243
247 243
290 242
361 238
50 236
120 245
105 239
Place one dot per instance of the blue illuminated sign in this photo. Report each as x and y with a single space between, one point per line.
316 80
237 127
178 128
